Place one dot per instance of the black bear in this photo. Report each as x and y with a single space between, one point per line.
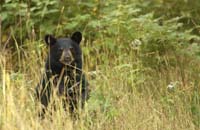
63 71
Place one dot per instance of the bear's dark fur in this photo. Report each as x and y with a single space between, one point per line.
63 71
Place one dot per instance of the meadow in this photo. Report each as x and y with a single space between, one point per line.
141 59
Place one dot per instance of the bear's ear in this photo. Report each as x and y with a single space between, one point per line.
50 40
77 37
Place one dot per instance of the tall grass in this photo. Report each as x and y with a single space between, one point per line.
143 71
123 95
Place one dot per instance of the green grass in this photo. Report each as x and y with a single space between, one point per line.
133 51
124 95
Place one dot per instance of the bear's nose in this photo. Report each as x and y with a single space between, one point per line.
66 57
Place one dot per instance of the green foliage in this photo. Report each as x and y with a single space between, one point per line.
132 50
187 10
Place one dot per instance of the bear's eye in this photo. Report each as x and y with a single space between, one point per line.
72 51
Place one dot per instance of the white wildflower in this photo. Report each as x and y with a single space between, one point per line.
172 86
136 43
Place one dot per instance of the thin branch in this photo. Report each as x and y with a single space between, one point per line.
0 33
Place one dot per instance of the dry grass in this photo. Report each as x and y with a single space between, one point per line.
124 96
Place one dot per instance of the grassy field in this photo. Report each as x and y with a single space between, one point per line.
124 95
143 67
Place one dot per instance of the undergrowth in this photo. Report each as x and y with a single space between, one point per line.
143 67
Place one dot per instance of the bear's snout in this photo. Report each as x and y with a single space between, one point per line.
66 57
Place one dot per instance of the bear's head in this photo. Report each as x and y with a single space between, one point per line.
64 51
